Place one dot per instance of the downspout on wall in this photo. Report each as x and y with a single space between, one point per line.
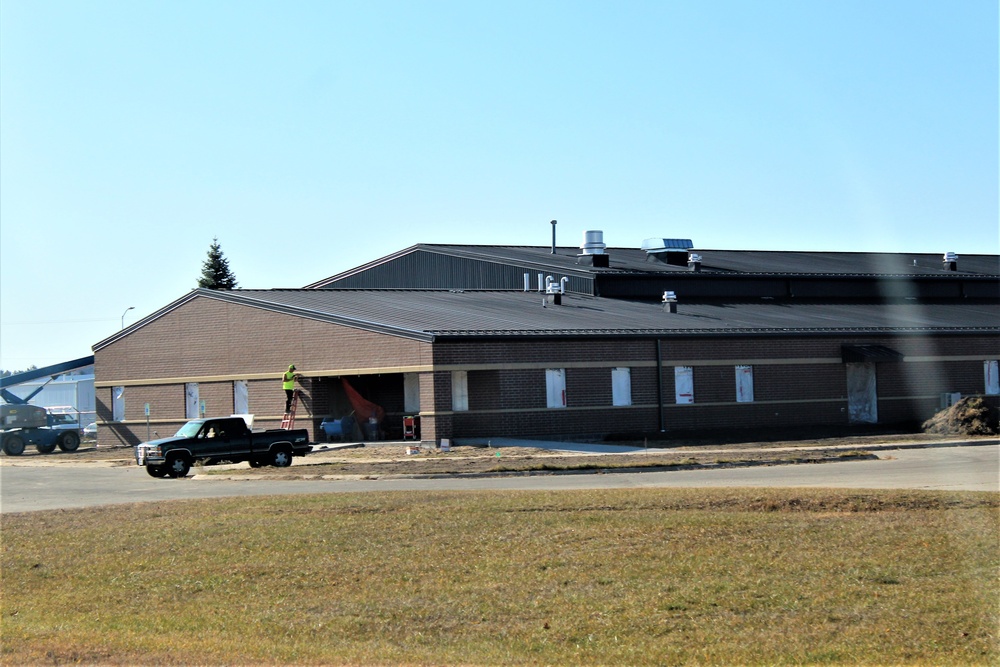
659 385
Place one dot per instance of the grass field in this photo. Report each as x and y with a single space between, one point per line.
617 577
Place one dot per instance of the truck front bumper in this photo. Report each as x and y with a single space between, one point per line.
146 455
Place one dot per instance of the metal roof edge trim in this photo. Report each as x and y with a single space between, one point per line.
364 267
679 333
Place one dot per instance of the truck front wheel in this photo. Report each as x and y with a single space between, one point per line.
13 445
69 441
281 458
156 471
178 467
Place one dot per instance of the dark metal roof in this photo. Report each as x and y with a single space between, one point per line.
755 262
723 275
432 314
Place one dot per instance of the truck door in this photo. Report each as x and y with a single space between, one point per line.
215 440
236 437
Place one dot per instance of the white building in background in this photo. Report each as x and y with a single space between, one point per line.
69 392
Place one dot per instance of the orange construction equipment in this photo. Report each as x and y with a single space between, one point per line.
411 428
288 421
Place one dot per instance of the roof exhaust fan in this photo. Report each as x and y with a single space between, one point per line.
670 301
949 262
554 290
592 251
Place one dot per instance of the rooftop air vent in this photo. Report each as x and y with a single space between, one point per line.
950 261
554 290
593 243
670 301
670 251
694 262
592 250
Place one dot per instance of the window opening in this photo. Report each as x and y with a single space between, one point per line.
683 384
621 386
555 387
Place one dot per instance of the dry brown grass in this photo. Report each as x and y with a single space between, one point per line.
593 577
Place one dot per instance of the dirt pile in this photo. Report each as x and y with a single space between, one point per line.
970 416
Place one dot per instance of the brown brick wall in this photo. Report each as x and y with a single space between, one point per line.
204 338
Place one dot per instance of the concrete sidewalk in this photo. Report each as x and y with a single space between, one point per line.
588 448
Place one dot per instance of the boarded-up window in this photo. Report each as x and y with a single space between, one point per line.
555 387
459 391
241 397
862 394
684 384
621 386
191 400
118 404
744 384
991 377
411 393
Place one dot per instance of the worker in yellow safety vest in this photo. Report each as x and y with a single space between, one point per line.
288 384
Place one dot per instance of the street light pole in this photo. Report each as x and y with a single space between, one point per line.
123 315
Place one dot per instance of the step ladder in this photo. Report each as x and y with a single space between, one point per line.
288 421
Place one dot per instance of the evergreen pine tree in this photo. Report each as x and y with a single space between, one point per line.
215 273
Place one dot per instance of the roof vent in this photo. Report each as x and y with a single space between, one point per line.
592 250
694 261
670 301
950 261
670 251
554 290
593 243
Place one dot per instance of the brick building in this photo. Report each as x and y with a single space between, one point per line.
483 341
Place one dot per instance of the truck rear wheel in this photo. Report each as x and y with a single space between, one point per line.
281 457
69 441
178 467
13 445
46 448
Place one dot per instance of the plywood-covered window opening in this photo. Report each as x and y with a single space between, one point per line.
991 377
621 386
241 397
118 404
411 393
744 384
555 387
683 385
191 400
459 391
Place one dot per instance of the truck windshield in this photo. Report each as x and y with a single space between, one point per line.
189 430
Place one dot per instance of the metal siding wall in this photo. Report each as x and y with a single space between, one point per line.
427 270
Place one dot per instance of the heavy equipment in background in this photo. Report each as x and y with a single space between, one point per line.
22 425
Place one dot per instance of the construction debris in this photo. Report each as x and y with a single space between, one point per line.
969 416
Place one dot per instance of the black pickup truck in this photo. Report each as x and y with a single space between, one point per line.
209 441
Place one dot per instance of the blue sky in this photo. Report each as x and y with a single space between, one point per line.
311 137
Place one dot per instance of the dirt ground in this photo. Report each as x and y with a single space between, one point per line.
388 459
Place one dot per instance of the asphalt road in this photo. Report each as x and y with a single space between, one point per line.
970 468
